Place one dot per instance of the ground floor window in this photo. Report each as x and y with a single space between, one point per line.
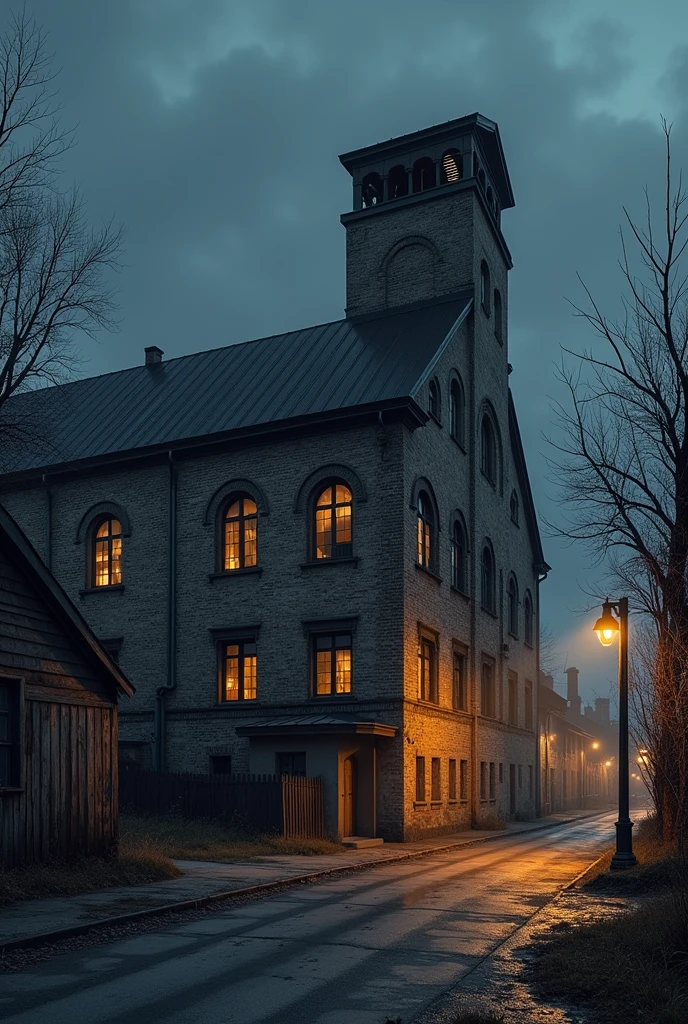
492 780
291 763
501 771
9 733
452 778
463 780
331 664
520 776
435 780
420 779
483 780
239 671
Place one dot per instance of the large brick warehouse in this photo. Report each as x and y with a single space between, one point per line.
317 553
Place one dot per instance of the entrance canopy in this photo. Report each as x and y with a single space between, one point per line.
317 725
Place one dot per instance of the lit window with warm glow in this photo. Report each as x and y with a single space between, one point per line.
332 664
426 525
333 522
451 167
107 554
427 670
239 677
240 534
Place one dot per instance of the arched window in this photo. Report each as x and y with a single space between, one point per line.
490 197
457 406
487 578
371 189
333 522
513 507
426 530
459 556
498 314
423 174
528 616
485 287
481 177
397 182
240 533
488 449
451 167
512 605
434 400
107 552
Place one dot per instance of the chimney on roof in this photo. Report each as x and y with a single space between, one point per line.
153 355
572 691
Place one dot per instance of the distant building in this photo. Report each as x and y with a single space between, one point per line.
317 553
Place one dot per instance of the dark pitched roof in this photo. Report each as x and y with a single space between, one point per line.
19 550
528 503
317 370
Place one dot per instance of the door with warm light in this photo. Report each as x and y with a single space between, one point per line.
349 797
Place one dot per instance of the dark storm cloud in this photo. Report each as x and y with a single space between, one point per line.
212 130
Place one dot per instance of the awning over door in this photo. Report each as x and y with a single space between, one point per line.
317 725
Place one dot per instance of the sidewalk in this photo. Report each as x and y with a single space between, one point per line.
203 882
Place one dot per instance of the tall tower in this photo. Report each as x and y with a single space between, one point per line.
426 218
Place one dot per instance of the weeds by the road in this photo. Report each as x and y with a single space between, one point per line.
182 839
638 959
464 1017
138 862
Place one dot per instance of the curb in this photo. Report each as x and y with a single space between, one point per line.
59 934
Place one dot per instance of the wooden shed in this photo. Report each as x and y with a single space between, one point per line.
58 717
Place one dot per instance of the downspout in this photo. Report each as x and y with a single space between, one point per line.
475 663
541 577
171 681
48 541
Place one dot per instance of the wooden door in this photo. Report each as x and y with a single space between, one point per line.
512 789
349 822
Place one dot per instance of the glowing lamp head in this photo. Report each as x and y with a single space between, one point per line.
606 626
595 745
607 764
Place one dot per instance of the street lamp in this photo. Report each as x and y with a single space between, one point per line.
606 628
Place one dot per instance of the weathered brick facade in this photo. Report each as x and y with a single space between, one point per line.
386 597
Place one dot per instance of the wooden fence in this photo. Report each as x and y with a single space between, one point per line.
287 805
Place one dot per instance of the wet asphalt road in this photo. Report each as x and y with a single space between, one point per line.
354 950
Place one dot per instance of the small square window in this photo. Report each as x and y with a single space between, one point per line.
291 763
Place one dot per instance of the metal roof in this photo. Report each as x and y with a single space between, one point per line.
331 367
326 722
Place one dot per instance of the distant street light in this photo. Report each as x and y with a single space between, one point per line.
606 628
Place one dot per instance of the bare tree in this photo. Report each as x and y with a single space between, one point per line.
623 468
51 263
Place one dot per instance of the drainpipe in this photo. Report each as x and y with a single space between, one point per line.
171 681
48 541
475 665
541 577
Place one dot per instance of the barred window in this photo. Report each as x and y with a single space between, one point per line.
240 533
239 671
107 553
333 525
331 660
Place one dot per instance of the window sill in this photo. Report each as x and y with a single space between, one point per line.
100 590
514 636
10 789
251 570
319 563
452 801
527 644
435 803
424 702
461 593
488 611
459 444
435 419
492 483
428 572
420 804
331 696
464 800
516 523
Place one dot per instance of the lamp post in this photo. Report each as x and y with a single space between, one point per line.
606 628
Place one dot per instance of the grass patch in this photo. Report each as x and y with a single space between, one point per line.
638 960
464 1017
183 839
657 868
137 863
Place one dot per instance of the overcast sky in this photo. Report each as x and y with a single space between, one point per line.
211 128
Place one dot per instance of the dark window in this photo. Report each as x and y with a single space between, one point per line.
488 449
487 579
497 314
513 507
333 522
426 529
481 177
520 776
239 671
492 780
420 779
107 553
528 687
483 780
434 400
452 778
485 286
9 733
221 764
456 410
435 780
487 690
513 698
331 663
240 533
459 574
291 764
512 605
501 771
451 167
371 189
397 182
528 616
112 648
463 780
427 670
460 681
490 197
423 174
